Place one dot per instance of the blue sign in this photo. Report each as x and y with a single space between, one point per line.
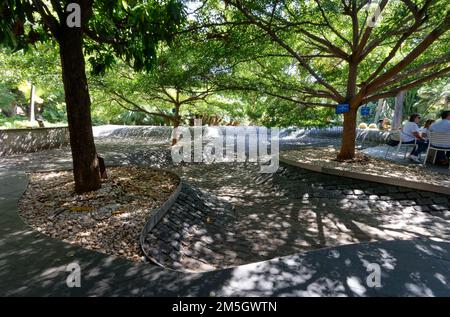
342 108
365 111
174 110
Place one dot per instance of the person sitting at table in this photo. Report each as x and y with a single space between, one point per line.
426 126
442 125
410 133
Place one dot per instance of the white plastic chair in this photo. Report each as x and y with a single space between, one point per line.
395 135
437 138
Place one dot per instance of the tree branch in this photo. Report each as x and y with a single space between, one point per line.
368 31
48 19
329 25
419 49
418 22
394 91
443 59
336 95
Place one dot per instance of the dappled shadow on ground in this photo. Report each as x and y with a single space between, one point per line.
34 265
241 216
328 272
265 216
345 271
244 217
256 217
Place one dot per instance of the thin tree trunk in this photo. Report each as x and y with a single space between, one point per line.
358 118
32 100
85 164
176 123
349 135
398 112
379 110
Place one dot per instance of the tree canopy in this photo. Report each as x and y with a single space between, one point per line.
339 51
249 60
130 30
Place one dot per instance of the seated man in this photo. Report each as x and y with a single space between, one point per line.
442 126
411 133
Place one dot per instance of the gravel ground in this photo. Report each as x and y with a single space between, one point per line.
109 220
326 157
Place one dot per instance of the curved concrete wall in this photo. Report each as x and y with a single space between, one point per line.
14 141
163 133
362 135
158 133
372 135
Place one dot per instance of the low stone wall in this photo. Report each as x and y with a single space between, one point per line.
163 133
376 136
362 135
372 136
152 133
158 214
13 141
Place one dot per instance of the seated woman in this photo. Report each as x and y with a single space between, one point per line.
424 130
410 133
383 124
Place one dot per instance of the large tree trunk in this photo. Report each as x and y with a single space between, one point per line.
398 112
347 151
349 135
85 164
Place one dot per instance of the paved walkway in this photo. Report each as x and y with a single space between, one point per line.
33 264
230 215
